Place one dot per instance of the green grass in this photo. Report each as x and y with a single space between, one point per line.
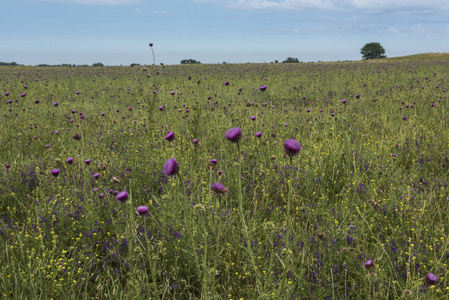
367 183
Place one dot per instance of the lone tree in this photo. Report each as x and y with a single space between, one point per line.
189 62
372 50
291 60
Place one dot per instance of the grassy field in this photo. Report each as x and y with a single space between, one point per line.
360 212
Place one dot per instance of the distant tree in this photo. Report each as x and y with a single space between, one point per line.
372 50
189 61
98 64
8 64
276 61
290 60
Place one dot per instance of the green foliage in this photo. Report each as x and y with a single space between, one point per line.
8 64
367 184
372 51
98 64
290 60
189 61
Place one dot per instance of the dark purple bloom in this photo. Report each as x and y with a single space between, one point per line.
151 44
369 264
170 136
36 101
55 104
102 114
97 175
234 134
291 147
23 95
55 172
77 92
7 165
154 92
357 96
101 195
343 101
404 118
258 134
253 118
122 196
263 88
171 167
69 160
431 279
142 210
47 146
195 141
6 93
87 161
160 108
226 83
213 161
218 189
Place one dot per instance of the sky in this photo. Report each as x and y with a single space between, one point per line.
118 32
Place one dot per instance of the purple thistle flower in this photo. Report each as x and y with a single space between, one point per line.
101 195
369 264
263 88
343 101
77 92
151 44
154 92
258 134
291 147
102 114
171 167
69 160
23 95
55 104
226 83
253 118
170 136
55 172
213 161
431 279
404 118
219 189
6 94
357 96
7 165
195 142
142 210
122 196
234 135
87 161
97 175
172 93
36 101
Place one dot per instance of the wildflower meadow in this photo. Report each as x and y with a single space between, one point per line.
234 181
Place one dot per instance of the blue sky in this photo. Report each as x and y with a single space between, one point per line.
116 32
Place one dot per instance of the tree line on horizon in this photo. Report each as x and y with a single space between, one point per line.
371 50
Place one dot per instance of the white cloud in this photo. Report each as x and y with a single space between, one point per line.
335 4
393 30
97 2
